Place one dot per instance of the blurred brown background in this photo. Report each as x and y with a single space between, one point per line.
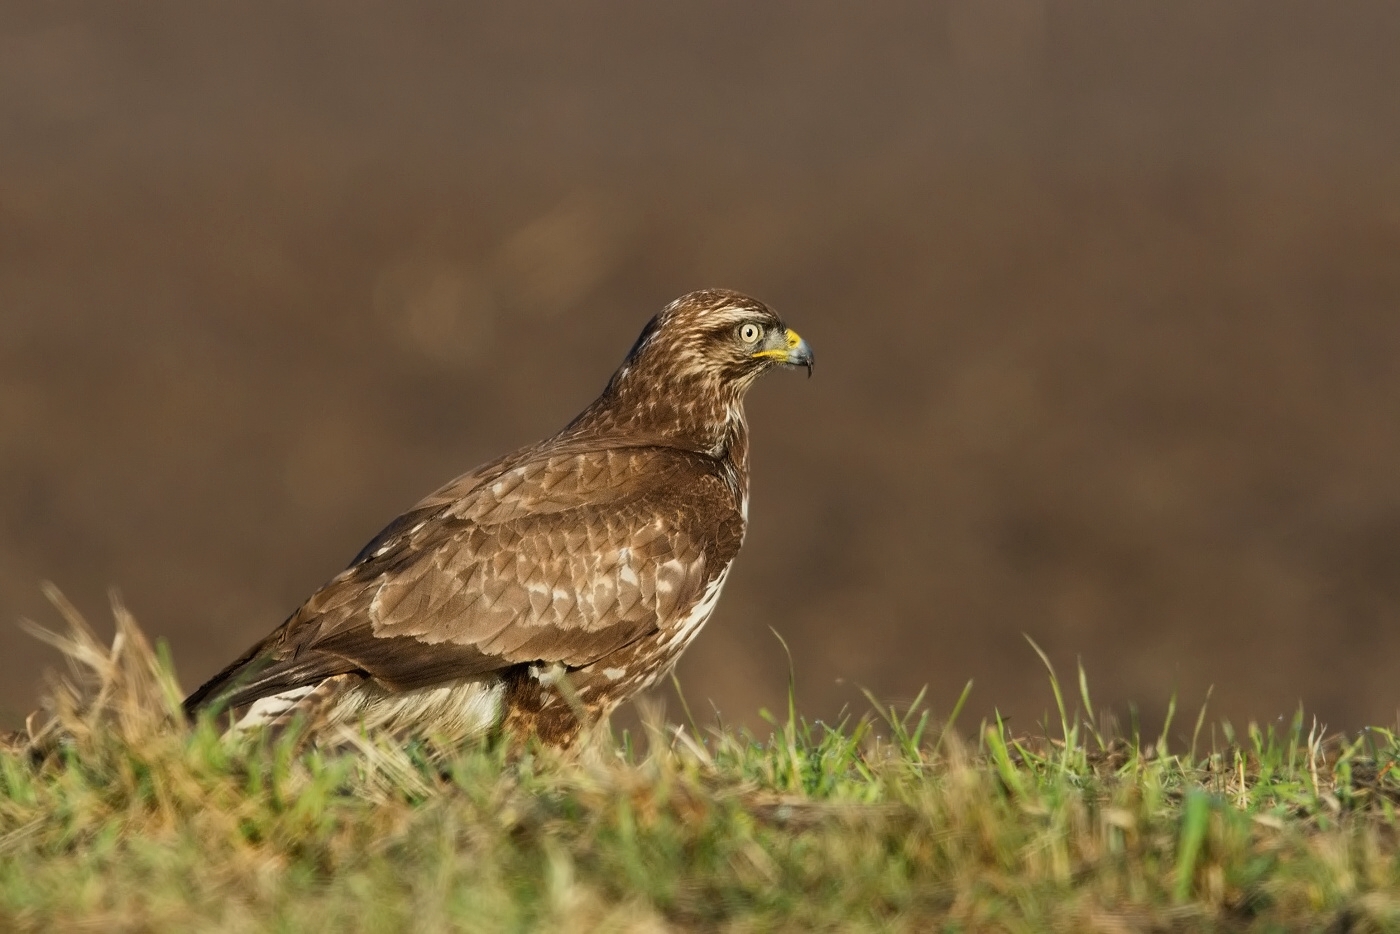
1105 298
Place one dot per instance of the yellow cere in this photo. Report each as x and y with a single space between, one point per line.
792 341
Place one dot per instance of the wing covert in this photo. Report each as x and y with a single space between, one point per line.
564 558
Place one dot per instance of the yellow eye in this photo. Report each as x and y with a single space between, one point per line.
749 333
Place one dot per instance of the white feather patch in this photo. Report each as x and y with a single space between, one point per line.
458 710
265 710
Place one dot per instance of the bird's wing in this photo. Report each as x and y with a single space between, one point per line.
560 557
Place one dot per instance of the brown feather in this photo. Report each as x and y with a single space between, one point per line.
583 551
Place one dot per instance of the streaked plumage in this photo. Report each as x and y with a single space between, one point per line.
571 573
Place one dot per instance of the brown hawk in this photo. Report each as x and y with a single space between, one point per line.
552 583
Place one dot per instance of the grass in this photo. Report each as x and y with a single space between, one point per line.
116 817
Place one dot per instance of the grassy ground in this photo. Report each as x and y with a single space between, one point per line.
132 823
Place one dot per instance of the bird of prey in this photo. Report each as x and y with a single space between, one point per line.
544 588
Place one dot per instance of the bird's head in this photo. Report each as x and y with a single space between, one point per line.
688 371
718 335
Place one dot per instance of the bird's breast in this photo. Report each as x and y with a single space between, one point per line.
641 664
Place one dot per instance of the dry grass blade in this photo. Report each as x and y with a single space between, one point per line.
125 688
388 773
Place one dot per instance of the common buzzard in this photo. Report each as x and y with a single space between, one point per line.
550 585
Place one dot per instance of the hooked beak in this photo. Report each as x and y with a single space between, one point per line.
789 349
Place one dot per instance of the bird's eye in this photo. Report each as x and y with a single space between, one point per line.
749 333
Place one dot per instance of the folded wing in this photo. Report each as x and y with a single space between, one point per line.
554 557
